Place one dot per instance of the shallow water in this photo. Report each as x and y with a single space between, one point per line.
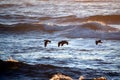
25 25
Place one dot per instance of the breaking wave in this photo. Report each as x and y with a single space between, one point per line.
92 30
109 19
84 30
61 20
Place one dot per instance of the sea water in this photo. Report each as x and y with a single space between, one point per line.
24 25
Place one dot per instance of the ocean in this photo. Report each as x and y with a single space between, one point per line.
24 25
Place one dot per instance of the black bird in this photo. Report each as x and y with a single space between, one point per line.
98 41
61 43
46 42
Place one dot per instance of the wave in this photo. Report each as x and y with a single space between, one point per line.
7 5
113 19
109 19
92 25
92 30
24 27
7 16
85 29
96 1
12 3
21 27
45 72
